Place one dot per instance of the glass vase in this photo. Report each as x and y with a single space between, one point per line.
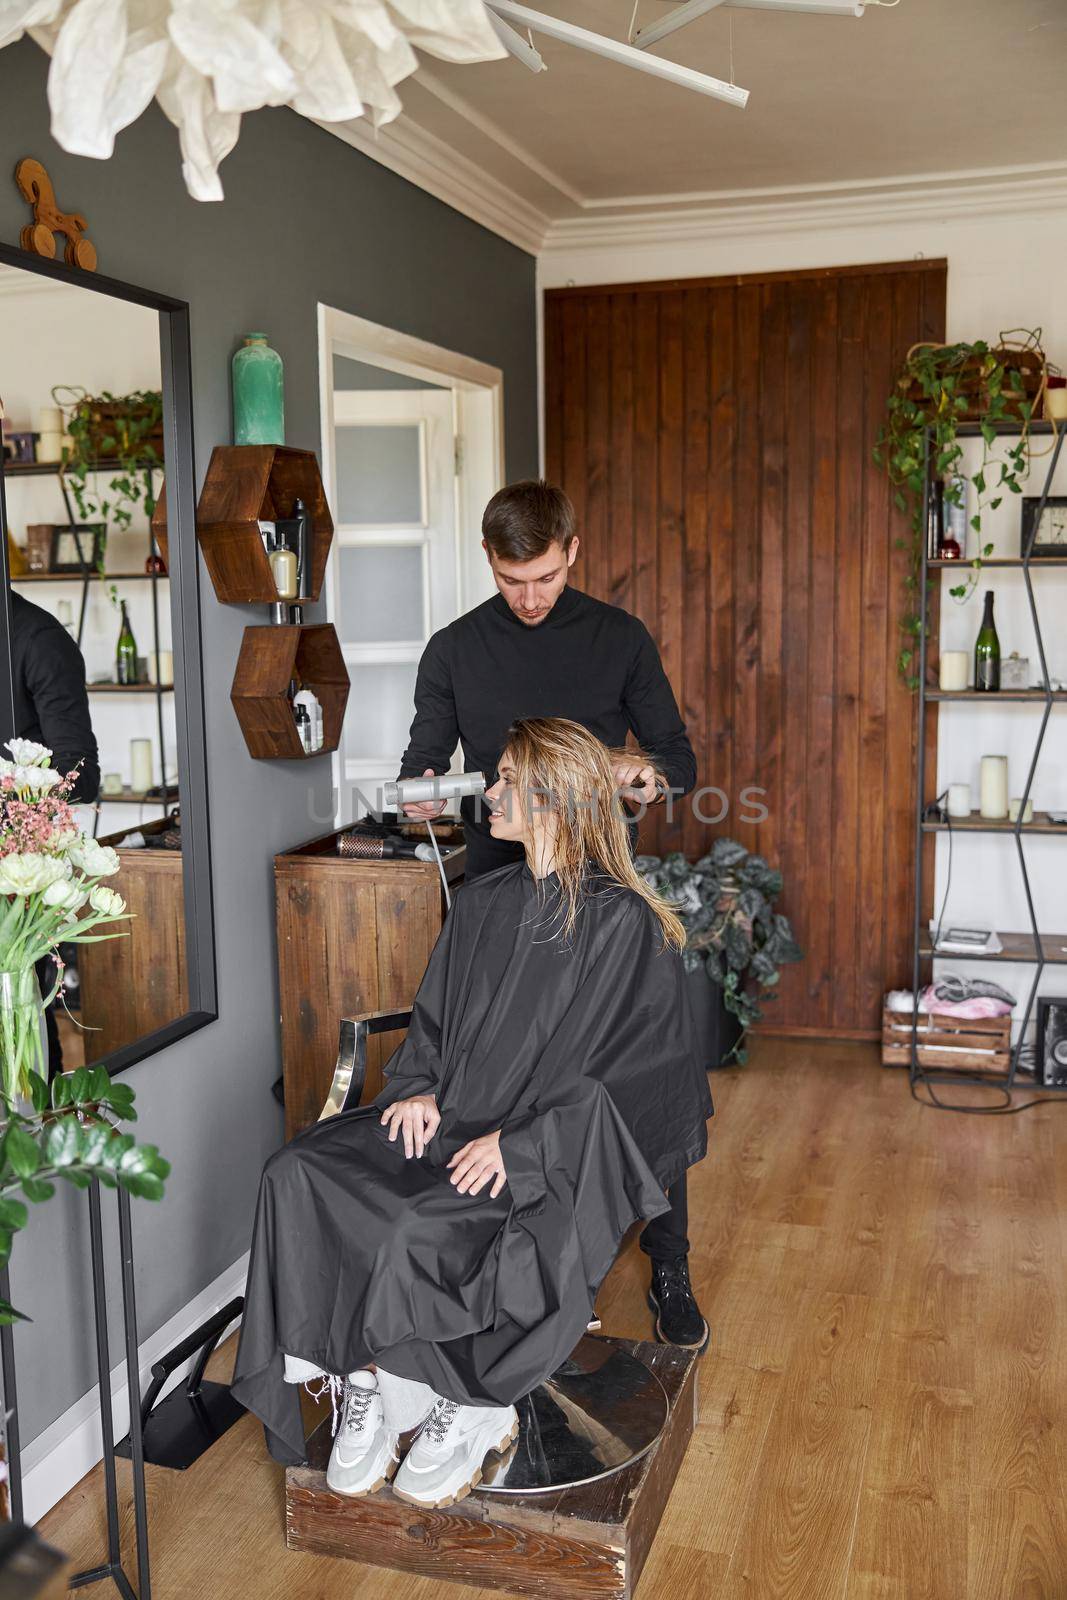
258 393
21 1031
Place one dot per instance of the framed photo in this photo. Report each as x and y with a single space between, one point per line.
1050 1066
77 546
1051 537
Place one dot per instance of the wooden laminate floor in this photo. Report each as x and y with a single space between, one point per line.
883 1406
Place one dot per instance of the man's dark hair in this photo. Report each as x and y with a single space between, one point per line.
523 519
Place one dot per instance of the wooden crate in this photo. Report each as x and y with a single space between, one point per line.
589 1541
962 1044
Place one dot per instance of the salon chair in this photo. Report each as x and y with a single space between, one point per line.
598 1412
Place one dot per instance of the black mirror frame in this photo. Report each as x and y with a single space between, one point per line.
184 570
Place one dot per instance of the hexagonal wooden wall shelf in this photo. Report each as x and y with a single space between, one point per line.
270 659
247 484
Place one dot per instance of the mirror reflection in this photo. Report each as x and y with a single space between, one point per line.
92 641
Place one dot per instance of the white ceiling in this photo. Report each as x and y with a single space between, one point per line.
938 90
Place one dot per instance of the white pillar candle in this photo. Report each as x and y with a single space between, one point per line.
959 799
994 800
953 670
141 765
1014 806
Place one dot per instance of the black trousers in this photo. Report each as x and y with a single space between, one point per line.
664 1236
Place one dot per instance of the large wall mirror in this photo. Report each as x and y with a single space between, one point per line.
100 638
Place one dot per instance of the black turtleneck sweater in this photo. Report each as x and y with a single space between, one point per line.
588 661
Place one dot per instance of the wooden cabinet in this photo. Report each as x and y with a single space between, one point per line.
133 985
353 936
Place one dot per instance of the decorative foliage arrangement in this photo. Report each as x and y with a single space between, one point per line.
51 892
118 429
939 387
726 904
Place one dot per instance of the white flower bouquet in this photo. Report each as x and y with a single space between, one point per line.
50 893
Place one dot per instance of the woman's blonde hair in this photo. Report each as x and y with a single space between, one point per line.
568 776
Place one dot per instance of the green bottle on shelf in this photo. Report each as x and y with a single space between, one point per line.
258 393
126 651
987 650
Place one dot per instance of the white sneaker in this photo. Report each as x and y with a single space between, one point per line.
364 1454
445 1461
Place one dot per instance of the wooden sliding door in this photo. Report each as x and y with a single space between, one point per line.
715 436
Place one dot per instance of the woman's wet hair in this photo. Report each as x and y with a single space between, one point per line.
566 775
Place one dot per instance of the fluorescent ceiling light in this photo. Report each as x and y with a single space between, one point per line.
515 44
674 19
615 50
655 31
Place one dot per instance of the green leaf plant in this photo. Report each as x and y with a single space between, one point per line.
68 1133
726 905
938 387
121 434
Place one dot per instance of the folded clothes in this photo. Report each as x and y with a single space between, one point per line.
978 1005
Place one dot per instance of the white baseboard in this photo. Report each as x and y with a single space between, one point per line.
60 1456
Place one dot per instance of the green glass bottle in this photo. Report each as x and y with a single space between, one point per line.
987 650
126 651
258 393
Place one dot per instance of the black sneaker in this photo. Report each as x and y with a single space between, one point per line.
678 1317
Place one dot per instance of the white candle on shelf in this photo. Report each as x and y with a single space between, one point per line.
141 765
959 799
994 791
1014 808
953 670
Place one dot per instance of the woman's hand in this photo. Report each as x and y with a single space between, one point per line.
418 1117
477 1162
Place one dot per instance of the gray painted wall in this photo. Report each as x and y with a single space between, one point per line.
349 374
305 219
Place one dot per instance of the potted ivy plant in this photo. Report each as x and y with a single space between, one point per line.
126 433
939 387
735 940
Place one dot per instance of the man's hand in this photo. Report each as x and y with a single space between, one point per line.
637 782
477 1162
422 809
418 1118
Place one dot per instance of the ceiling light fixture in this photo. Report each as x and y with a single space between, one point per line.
655 31
614 50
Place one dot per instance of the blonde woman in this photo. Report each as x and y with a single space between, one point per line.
440 1249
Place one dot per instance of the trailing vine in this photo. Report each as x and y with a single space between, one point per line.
940 386
118 429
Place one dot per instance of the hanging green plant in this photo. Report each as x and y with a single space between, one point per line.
938 388
125 434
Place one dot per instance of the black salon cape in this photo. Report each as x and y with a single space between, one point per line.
582 1052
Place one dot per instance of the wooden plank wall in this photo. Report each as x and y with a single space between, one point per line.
715 436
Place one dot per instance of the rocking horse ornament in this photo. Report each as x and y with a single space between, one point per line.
38 236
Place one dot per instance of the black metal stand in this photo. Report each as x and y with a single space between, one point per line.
932 569
182 1427
111 1568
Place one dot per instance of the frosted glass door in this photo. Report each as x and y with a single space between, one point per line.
393 567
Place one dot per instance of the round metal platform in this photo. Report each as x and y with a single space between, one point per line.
598 1412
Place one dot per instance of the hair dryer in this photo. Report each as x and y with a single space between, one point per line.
447 786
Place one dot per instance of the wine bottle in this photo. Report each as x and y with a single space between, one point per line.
935 518
954 536
987 650
126 651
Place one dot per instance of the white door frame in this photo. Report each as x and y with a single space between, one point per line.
478 416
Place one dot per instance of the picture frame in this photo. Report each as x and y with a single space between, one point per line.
77 546
1051 538
1050 1051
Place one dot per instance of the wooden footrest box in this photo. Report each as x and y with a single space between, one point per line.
592 1540
964 1044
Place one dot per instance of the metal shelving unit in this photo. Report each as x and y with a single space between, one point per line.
1031 947
89 575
